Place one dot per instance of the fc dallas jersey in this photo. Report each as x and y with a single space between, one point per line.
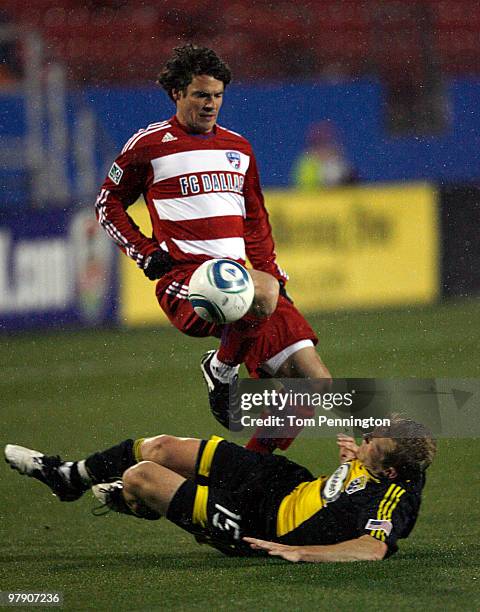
203 194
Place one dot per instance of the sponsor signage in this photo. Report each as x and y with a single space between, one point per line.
56 268
358 247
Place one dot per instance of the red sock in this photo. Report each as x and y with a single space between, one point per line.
264 442
238 337
264 446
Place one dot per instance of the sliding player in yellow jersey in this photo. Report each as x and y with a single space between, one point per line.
244 503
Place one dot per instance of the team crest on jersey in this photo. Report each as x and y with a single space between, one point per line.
234 158
334 485
357 484
115 173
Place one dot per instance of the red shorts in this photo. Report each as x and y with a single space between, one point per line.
284 328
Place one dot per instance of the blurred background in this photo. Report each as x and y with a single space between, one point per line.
364 116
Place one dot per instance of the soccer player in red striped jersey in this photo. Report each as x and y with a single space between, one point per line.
201 185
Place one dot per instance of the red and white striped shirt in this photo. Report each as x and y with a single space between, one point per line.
203 194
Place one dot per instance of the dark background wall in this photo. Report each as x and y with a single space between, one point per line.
460 253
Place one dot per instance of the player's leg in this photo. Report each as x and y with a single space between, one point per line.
172 291
214 516
286 350
148 485
220 368
70 479
302 363
305 363
145 491
238 337
206 504
215 505
235 493
176 454
266 294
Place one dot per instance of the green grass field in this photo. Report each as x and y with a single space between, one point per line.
72 393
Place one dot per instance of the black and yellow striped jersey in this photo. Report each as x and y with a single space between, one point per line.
348 504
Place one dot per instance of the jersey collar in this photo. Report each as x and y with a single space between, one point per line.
374 477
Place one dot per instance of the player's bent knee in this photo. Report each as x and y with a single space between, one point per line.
158 448
266 294
137 476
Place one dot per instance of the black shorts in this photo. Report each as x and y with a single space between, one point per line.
236 493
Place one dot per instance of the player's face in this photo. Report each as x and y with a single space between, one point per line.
198 106
372 451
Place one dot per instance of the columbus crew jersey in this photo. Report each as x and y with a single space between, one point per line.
202 192
350 503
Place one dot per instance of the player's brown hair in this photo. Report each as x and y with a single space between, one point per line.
414 447
190 61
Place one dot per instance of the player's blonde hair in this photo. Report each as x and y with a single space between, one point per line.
414 446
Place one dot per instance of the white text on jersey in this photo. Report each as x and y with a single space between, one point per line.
212 182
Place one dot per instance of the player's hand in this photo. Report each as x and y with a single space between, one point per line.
289 553
157 264
348 447
284 292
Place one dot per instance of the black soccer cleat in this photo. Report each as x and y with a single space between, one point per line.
219 395
52 471
110 496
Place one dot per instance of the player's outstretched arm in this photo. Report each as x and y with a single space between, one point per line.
364 548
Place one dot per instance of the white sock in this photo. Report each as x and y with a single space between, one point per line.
82 472
225 373
65 470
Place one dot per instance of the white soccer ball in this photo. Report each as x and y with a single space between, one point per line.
221 291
